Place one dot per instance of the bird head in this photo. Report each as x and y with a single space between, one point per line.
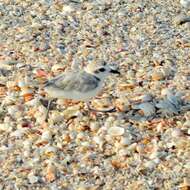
101 70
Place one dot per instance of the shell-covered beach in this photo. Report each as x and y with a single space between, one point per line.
144 144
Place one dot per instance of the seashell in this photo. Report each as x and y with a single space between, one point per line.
49 151
118 164
40 73
140 148
85 144
99 140
125 141
67 9
147 108
32 178
18 133
157 75
81 135
132 147
27 144
176 133
21 84
94 126
50 173
123 152
116 131
57 67
56 117
66 138
28 97
3 91
46 135
5 127
26 90
187 124
12 110
150 164
72 112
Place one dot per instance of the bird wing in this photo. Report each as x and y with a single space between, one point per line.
75 81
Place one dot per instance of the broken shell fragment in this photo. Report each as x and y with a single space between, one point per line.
116 131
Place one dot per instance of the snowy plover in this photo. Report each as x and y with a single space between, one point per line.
80 85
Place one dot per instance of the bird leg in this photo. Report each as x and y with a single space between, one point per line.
104 111
48 108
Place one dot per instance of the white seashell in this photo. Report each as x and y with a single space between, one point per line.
157 160
85 144
26 91
150 164
56 67
12 110
18 133
125 141
94 126
27 144
49 149
147 108
32 178
46 135
187 124
116 131
176 132
10 84
81 135
123 152
154 155
99 140
5 127
42 109
67 9
21 84
34 102
56 117
132 147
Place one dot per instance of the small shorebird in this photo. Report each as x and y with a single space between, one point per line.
80 85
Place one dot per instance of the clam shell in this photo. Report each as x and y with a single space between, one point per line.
116 131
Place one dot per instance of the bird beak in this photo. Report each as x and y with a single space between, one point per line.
115 71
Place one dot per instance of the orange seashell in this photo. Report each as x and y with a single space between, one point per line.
41 143
41 73
28 97
16 88
3 91
145 141
126 87
51 173
31 112
118 164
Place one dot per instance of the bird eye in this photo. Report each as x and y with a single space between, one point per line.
102 69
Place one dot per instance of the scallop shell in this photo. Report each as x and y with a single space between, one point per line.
116 131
